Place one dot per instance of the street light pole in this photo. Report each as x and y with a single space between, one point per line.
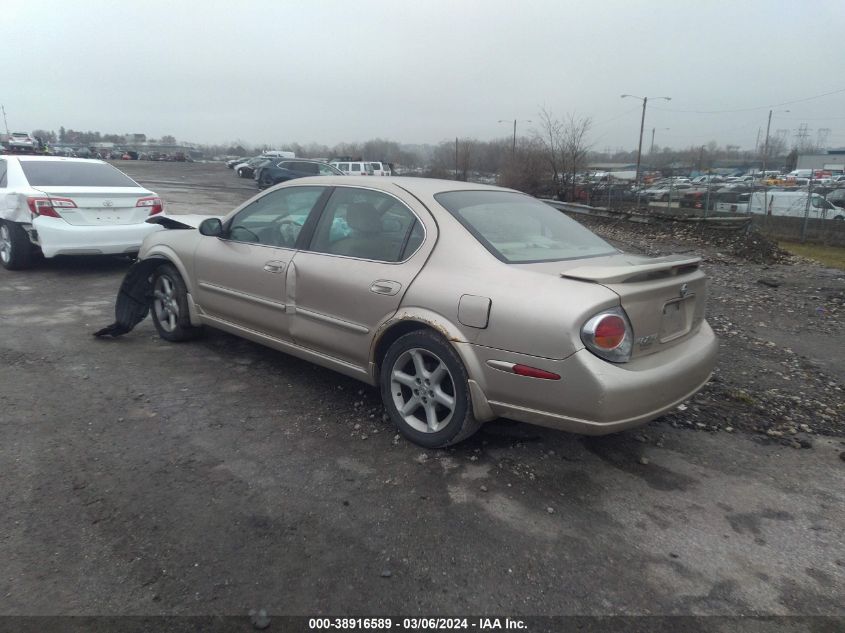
640 146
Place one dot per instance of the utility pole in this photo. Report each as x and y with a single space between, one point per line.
807 209
5 122
513 149
765 160
456 158
640 146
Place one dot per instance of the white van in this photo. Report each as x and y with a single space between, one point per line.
793 204
380 169
354 168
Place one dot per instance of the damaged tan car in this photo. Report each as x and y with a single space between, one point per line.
461 302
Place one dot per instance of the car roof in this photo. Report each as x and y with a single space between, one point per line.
422 186
66 159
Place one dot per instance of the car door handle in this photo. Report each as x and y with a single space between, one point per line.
275 267
385 287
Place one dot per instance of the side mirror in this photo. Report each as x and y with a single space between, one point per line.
212 227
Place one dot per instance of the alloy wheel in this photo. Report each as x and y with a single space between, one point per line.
423 390
5 244
165 303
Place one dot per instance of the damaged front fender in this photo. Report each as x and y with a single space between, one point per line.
133 298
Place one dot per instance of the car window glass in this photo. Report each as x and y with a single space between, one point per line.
415 239
326 170
306 168
356 167
59 173
364 224
519 229
2 174
276 218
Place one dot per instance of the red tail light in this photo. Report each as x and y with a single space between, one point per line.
47 206
609 332
608 335
153 203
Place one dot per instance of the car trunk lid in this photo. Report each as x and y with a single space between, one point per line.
108 206
664 298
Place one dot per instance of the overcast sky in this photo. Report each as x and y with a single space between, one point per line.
423 71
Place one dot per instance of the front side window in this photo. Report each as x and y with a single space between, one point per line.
367 225
275 219
59 173
356 167
519 229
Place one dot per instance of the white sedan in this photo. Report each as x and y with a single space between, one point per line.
70 206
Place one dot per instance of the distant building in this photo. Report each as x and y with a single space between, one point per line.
833 160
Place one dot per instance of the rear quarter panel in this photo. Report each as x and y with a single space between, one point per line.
532 312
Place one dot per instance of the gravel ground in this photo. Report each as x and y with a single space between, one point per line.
216 477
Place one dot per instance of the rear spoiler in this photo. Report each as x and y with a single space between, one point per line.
669 266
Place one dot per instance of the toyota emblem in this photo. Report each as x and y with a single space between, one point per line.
108 203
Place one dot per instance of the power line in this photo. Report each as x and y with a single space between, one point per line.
763 107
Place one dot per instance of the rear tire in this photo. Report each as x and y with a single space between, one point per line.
171 316
425 390
16 251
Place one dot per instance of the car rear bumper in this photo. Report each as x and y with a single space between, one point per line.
593 396
57 237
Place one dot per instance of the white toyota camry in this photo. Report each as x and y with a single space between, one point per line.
70 206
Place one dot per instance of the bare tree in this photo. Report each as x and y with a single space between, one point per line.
575 147
551 139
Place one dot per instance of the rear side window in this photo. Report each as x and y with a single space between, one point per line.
3 174
57 173
328 170
356 167
306 168
366 224
519 229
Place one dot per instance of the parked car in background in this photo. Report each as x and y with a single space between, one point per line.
21 142
665 192
837 198
354 168
793 204
380 169
247 169
235 161
284 170
424 288
70 206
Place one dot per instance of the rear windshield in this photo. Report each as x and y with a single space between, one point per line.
519 229
57 173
